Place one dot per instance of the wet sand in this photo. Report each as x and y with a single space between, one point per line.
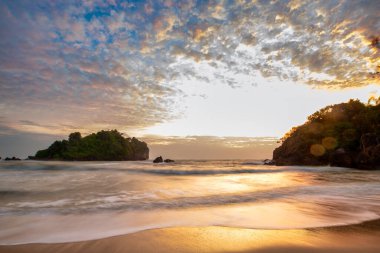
352 238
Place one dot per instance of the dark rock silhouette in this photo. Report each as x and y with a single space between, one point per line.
100 146
158 160
161 160
268 162
342 158
344 135
369 157
12 159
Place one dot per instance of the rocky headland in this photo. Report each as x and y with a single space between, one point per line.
343 135
100 146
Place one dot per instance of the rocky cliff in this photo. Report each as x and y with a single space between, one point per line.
344 135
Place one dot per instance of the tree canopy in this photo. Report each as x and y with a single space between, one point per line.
103 145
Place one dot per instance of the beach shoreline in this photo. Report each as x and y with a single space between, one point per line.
361 237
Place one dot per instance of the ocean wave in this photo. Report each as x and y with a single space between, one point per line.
201 171
180 168
160 171
164 169
74 228
146 201
13 193
232 170
253 163
152 200
227 193
41 204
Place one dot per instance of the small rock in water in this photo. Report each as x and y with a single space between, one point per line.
169 161
158 160
268 162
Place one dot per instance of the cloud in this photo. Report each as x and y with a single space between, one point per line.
22 144
77 73
111 64
320 43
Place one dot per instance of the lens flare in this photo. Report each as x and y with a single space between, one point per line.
329 143
317 150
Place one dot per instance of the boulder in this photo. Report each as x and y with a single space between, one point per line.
158 160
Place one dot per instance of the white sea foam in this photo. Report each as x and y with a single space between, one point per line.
39 204
72 228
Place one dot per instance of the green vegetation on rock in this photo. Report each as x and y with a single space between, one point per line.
345 135
104 145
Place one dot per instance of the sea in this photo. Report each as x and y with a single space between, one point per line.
53 201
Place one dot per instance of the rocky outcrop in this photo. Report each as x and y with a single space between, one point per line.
268 162
293 152
161 160
342 158
367 156
343 135
100 146
158 160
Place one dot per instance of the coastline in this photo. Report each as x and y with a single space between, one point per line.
361 237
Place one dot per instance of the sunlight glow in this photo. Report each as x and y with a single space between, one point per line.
269 109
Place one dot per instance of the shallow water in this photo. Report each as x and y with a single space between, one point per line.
75 201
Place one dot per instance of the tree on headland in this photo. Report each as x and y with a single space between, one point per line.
75 138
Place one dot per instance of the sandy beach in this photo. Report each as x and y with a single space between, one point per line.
362 237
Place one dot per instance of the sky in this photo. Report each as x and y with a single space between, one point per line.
194 79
